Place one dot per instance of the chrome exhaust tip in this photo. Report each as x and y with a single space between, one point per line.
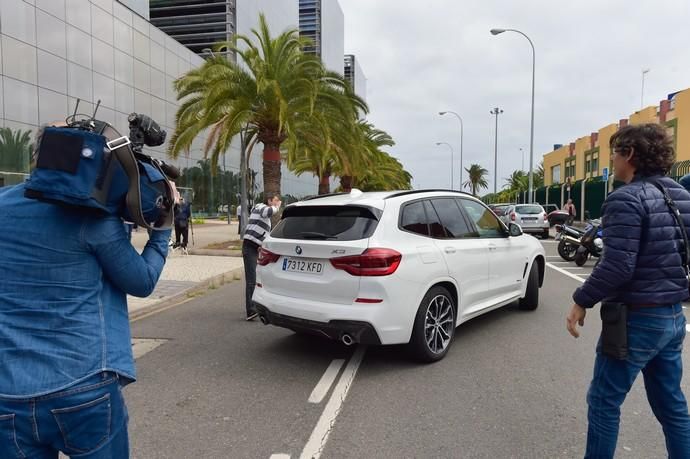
347 340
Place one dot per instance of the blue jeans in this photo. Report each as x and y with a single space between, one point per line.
655 341
88 420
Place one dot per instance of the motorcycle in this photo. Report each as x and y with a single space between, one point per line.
591 243
568 238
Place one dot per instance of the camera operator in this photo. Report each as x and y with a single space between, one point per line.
64 328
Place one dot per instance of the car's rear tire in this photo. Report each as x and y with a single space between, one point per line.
434 326
531 299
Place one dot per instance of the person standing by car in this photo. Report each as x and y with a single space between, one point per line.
258 226
641 281
572 212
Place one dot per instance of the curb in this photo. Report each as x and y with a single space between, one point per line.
216 252
186 294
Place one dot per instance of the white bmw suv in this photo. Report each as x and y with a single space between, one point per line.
393 267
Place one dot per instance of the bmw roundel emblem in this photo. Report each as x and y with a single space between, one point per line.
298 250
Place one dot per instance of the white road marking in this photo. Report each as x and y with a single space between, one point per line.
687 328
314 447
280 456
550 242
573 267
561 262
563 271
326 381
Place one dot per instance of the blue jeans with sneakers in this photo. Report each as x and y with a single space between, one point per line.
655 341
87 420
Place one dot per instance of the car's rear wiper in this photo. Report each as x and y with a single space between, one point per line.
314 235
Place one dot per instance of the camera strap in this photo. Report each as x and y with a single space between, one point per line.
679 221
120 147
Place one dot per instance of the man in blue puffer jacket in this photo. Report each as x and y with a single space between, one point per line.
643 267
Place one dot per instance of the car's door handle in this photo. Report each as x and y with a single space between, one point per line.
449 249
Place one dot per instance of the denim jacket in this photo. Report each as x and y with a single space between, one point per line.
64 277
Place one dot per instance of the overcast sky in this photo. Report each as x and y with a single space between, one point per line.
421 57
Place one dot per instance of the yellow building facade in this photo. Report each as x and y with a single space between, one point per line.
587 156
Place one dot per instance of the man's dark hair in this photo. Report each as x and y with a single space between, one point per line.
271 197
651 145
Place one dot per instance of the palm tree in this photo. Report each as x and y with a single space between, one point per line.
272 90
518 181
477 178
372 142
332 144
15 149
386 173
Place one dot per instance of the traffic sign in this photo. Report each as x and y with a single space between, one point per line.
605 174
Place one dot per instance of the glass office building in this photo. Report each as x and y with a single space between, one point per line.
53 52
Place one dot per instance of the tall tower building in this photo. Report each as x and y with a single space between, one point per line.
323 22
354 75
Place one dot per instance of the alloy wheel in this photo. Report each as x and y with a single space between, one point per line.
439 323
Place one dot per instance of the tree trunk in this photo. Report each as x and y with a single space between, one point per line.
346 183
272 172
325 182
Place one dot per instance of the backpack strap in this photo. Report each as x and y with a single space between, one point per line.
679 221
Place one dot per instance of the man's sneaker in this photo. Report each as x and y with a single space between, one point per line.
184 251
252 316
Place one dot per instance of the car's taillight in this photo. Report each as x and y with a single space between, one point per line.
371 262
512 216
266 257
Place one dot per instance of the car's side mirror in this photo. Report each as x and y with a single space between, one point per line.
514 230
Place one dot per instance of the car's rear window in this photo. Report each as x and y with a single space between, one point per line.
332 223
528 210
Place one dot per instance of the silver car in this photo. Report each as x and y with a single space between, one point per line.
532 218
502 211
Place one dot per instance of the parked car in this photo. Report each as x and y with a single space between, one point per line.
502 211
393 267
532 218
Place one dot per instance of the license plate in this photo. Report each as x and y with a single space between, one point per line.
297 265
529 219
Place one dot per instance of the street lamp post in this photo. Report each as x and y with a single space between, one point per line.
531 135
451 160
522 153
461 135
496 111
644 72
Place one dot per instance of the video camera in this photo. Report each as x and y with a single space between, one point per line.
87 164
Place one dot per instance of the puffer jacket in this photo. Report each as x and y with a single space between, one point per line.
642 262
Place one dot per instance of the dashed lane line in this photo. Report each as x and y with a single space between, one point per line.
326 381
317 441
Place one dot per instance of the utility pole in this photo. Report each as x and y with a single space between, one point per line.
496 111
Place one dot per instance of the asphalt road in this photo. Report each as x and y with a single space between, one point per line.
513 385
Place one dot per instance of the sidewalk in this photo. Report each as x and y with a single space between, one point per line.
185 276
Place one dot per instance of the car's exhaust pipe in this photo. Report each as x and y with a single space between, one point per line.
263 319
346 339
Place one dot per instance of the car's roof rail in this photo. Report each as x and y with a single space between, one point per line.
408 192
317 196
